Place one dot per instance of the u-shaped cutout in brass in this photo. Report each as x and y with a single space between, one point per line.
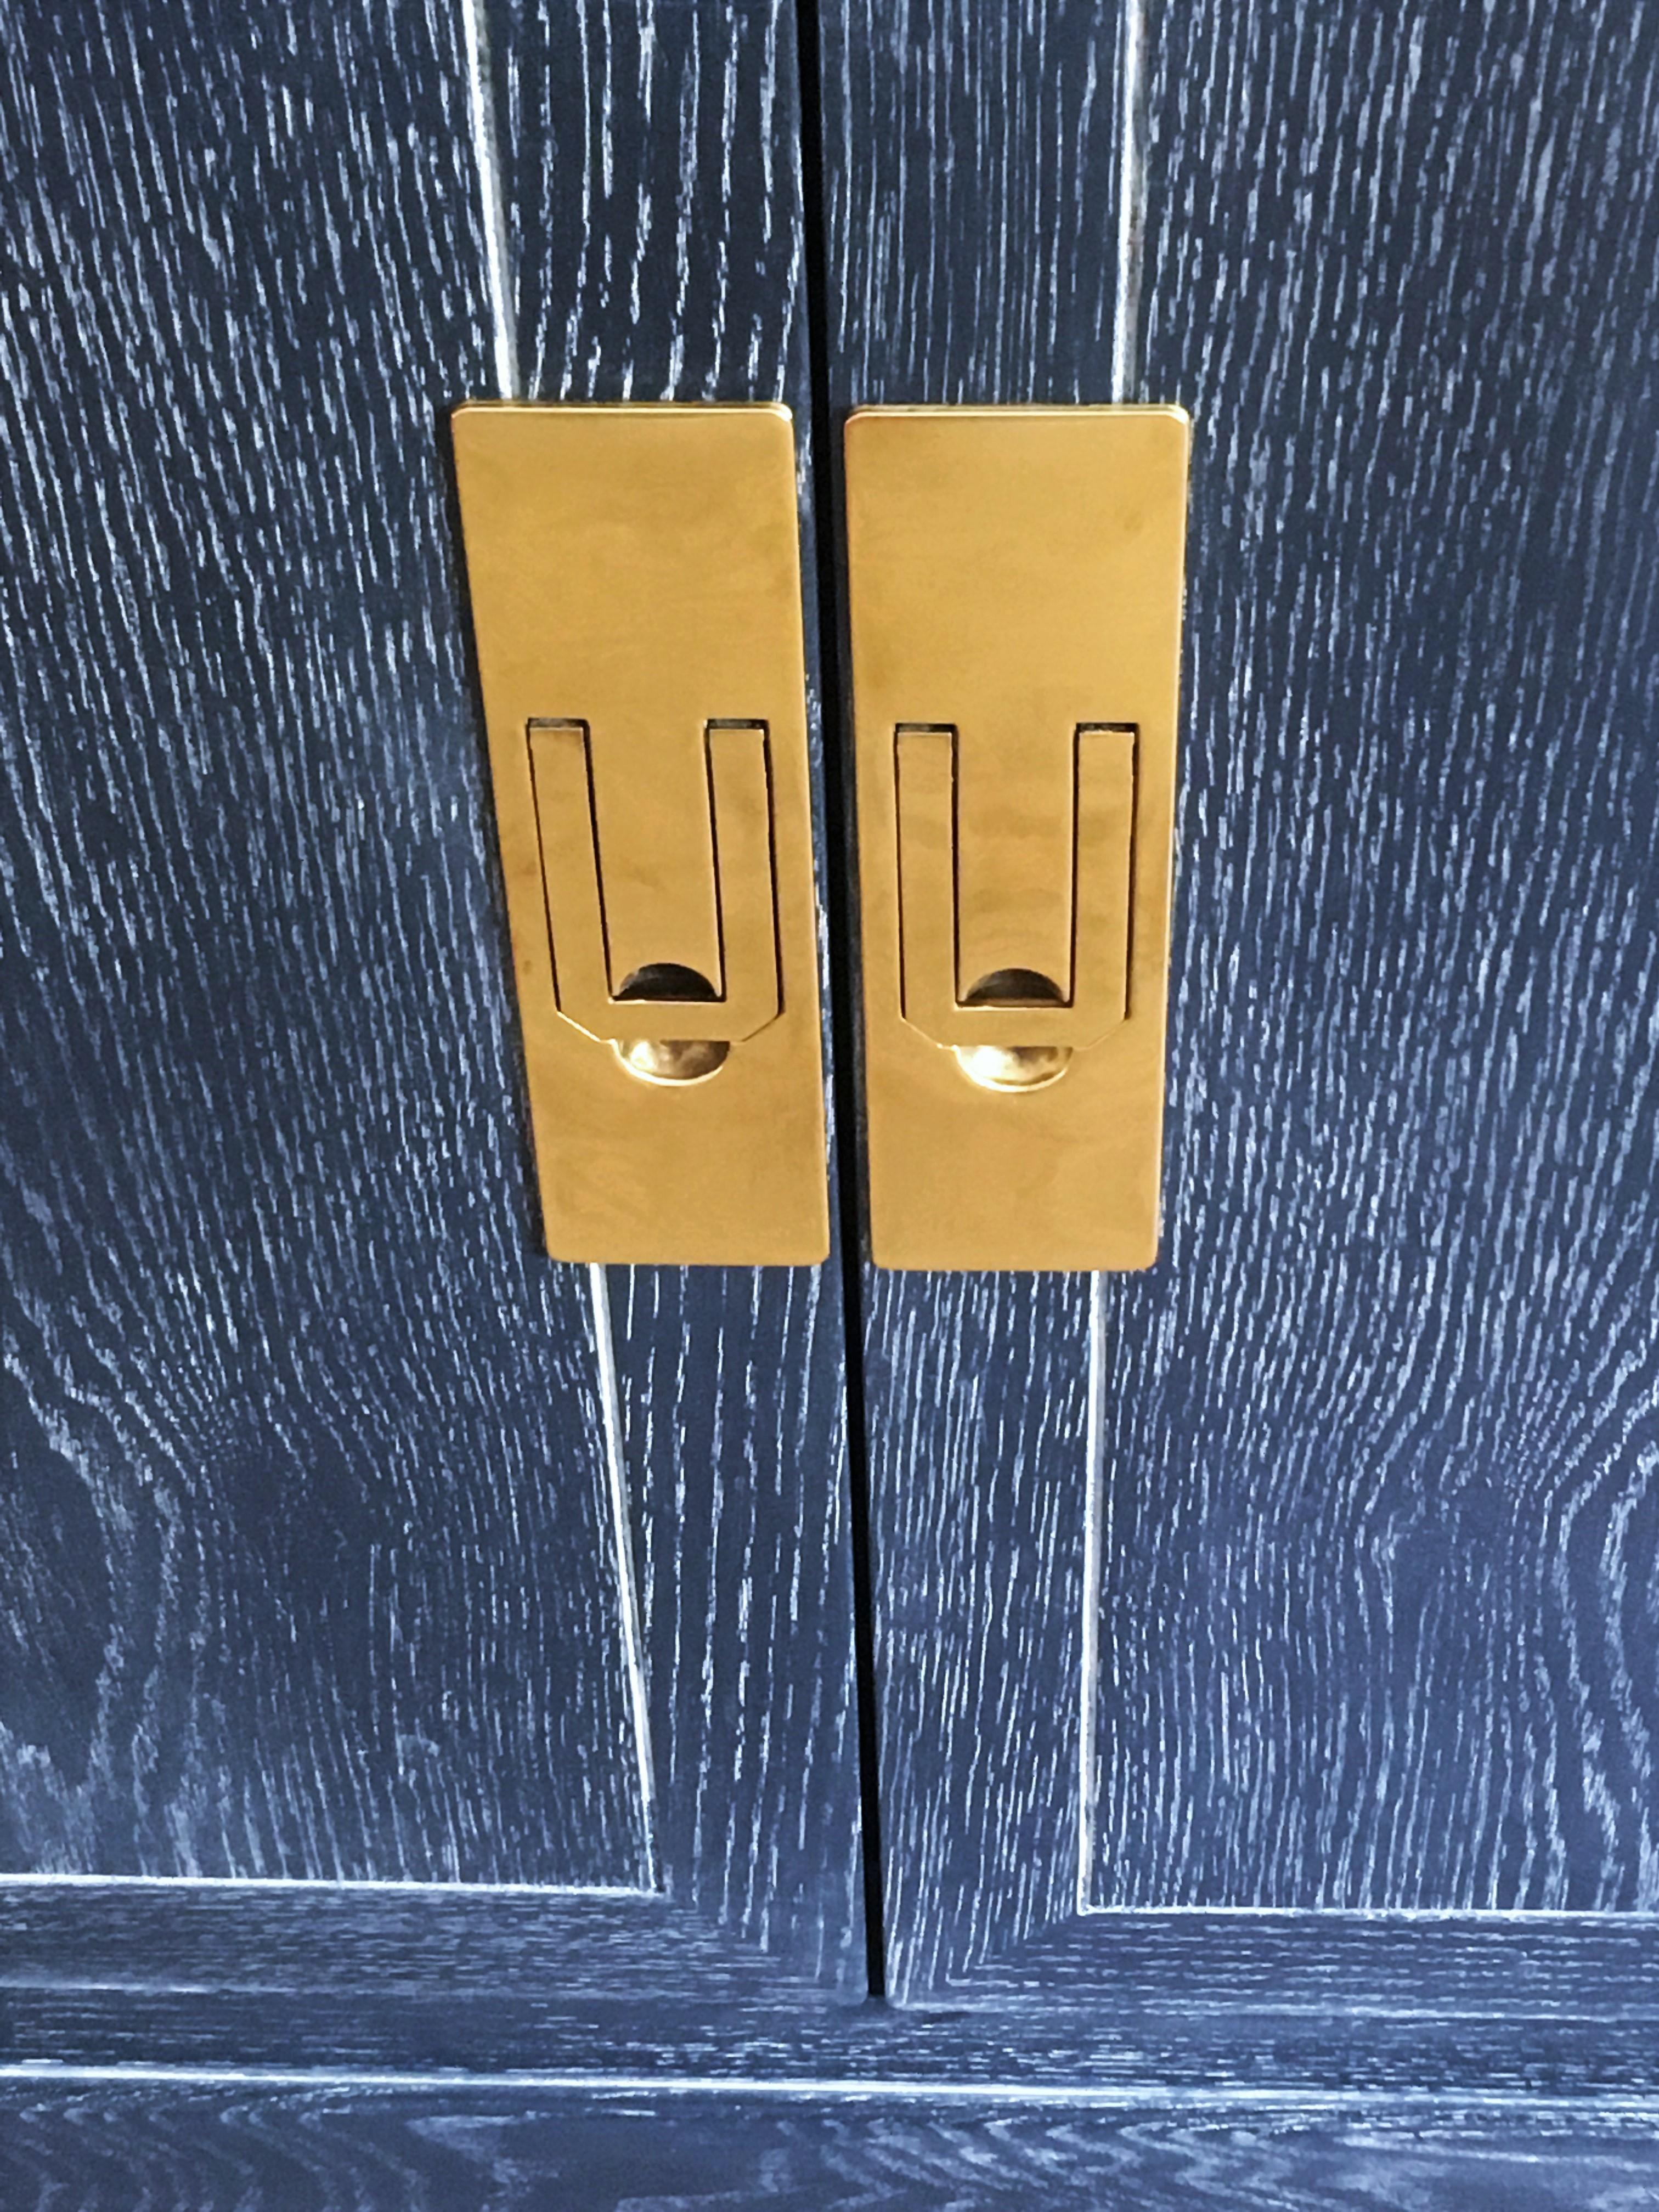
742 993
1094 877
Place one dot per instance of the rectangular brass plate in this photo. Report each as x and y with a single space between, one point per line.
635 580
1016 583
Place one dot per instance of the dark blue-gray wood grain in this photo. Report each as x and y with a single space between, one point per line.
970 195
1378 1624
413 1982
653 169
243 2148
307 1563
1380 1617
309 1567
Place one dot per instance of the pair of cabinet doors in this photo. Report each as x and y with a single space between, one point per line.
470 1725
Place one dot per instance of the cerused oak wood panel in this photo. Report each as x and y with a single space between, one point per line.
971 194
975 1387
418 1982
733 1386
307 1564
734 1407
307 2148
1378 1518
652 162
1379 1621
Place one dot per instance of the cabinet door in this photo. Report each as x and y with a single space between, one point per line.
1309 1574
349 1543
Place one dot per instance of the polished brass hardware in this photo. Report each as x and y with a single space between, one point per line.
1016 578
739 824
635 580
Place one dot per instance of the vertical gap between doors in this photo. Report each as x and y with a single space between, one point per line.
843 995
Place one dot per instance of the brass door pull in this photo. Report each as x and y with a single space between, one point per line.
1015 1009
633 573
742 996
1015 577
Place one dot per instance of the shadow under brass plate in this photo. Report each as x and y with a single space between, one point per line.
633 573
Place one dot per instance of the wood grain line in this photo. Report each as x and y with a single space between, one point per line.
622 1556
492 199
1130 259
